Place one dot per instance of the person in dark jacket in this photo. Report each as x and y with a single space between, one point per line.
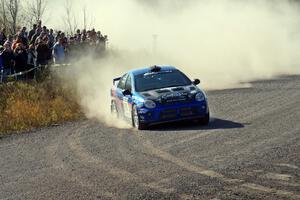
42 52
2 36
35 35
51 38
21 58
7 60
32 32
23 35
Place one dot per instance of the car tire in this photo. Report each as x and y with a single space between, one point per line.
205 120
136 123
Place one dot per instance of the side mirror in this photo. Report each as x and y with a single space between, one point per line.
127 93
196 82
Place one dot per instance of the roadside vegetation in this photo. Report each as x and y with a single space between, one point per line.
28 105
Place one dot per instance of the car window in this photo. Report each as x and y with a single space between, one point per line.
128 83
122 81
151 81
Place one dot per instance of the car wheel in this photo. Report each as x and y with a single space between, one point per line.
205 120
136 123
113 109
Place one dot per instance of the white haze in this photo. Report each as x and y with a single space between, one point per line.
222 42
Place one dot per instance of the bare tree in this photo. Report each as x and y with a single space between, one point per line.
36 9
84 17
88 20
13 7
70 20
3 19
92 21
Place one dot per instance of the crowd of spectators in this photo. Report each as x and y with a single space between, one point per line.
41 46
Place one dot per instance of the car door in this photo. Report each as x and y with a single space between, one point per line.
127 99
119 93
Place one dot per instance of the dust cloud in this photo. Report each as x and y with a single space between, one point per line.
222 42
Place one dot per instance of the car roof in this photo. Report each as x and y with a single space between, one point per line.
148 69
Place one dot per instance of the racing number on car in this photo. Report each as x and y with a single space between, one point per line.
126 107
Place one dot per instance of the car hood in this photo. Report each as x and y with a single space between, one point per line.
171 94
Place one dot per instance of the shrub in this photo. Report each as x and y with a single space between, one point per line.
27 105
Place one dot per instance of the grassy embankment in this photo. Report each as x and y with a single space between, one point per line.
28 105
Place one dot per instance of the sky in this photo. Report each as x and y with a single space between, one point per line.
129 21
109 16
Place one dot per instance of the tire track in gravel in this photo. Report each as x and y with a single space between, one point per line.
86 157
73 141
210 173
67 172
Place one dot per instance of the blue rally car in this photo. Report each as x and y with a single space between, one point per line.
157 95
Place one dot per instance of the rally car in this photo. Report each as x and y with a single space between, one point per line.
158 94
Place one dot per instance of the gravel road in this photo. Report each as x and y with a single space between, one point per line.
250 150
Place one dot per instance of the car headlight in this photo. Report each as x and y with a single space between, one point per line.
200 96
150 104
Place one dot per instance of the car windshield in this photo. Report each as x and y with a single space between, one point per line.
157 80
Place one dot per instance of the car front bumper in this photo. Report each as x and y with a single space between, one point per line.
171 113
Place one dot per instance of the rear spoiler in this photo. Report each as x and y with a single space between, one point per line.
115 80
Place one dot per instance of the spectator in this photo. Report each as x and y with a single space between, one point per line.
2 36
23 32
9 40
31 61
18 40
28 50
83 35
44 29
57 36
77 36
32 32
46 40
93 35
31 56
59 52
102 42
41 36
42 52
36 35
39 24
51 38
21 58
7 60
23 36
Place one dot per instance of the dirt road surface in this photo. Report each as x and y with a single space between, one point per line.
250 150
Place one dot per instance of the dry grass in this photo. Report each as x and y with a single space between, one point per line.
28 105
